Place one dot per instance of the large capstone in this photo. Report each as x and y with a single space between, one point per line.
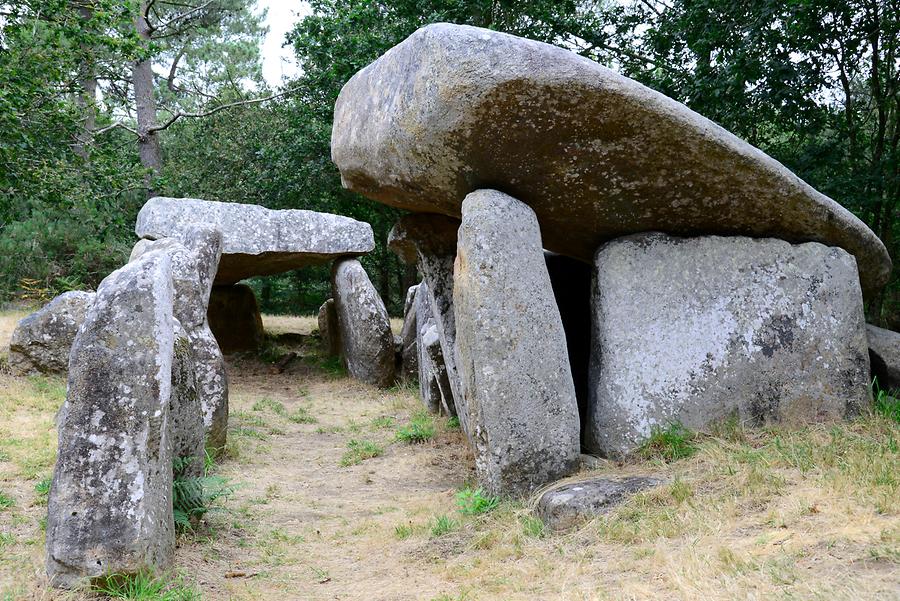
884 354
512 358
366 339
257 240
429 241
41 342
455 108
235 319
110 505
700 330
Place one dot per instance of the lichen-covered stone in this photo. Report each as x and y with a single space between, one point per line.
367 342
41 342
568 505
110 505
884 353
595 154
512 358
186 428
329 331
257 240
235 319
409 349
430 242
698 330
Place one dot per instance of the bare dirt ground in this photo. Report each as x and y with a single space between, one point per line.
813 514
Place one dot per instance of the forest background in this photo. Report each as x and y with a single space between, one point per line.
104 103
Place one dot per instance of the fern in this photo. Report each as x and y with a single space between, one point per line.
193 497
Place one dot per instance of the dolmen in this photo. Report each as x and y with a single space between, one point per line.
598 260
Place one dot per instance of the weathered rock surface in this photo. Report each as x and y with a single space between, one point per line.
367 342
195 258
702 329
235 319
186 428
257 240
430 242
434 384
110 506
595 154
409 348
512 358
571 504
41 342
884 355
329 331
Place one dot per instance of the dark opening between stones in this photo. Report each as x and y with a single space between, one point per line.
571 281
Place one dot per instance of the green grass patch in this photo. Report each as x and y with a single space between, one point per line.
358 451
420 429
383 422
267 404
475 501
671 443
532 526
6 501
453 423
403 531
144 587
442 525
302 416
886 403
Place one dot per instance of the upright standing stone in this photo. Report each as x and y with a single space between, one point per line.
41 342
185 413
430 241
696 330
329 331
110 506
195 256
235 319
366 338
884 353
513 363
409 349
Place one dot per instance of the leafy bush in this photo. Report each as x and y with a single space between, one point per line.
473 502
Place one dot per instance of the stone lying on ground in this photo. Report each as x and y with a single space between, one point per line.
595 154
367 343
195 258
110 505
512 358
698 330
235 319
329 332
884 354
409 349
568 505
257 240
429 241
41 342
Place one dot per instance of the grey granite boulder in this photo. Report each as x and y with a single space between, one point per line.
329 331
568 505
41 342
434 384
596 155
257 240
697 330
367 342
186 428
110 505
512 357
884 354
235 319
429 241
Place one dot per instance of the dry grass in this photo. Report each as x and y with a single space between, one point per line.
812 514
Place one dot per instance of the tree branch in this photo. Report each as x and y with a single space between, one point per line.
118 124
183 15
222 107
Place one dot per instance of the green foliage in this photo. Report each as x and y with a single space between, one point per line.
302 416
475 501
42 488
360 450
886 402
6 501
453 423
267 404
195 496
532 526
420 429
403 531
669 444
442 525
144 587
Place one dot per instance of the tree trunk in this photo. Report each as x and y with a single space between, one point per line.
145 104
87 97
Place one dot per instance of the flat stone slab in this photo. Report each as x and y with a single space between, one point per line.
597 155
257 240
701 330
570 504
